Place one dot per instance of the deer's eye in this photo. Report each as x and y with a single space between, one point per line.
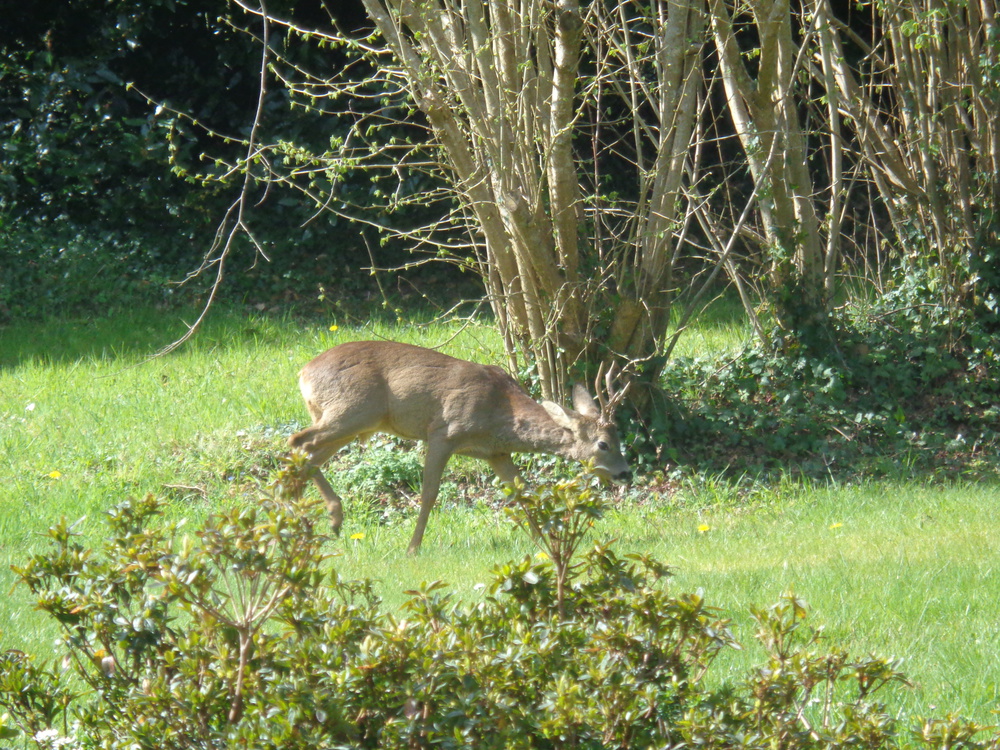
602 446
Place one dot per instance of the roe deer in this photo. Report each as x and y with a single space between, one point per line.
356 389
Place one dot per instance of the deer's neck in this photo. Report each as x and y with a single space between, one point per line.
537 432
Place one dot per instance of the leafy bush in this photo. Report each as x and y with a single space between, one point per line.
62 268
239 634
906 384
389 463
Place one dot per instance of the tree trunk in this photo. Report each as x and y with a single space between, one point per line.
499 83
765 113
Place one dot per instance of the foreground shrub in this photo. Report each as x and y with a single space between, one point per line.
239 634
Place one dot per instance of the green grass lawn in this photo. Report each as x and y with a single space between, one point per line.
901 569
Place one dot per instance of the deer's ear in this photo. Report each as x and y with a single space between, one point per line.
560 415
584 403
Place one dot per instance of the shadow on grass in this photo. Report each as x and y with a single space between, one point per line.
130 334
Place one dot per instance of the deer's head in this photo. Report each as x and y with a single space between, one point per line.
593 428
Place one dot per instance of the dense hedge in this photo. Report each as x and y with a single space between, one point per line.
67 270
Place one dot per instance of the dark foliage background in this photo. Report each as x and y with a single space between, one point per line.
112 118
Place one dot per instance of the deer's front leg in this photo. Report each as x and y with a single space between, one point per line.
434 463
334 504
503 466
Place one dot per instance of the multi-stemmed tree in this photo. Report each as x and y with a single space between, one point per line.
596 163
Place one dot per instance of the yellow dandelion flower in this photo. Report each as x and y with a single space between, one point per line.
359 536
334 327
54 474
542 556
835 526
704 527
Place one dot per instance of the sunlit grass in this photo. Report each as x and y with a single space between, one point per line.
85 422
907 571
88 420
720 327
900 570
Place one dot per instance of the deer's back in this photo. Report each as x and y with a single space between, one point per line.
408 390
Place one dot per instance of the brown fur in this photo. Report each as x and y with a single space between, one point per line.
454 406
